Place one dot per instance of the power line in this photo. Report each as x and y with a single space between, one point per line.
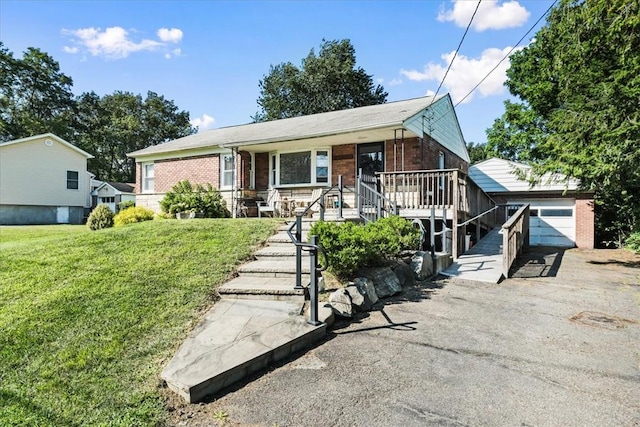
507 55
457 49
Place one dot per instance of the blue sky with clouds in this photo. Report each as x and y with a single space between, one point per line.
208 56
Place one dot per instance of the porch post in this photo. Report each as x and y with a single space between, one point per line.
358 193
454 220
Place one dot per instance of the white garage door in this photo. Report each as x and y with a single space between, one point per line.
552 221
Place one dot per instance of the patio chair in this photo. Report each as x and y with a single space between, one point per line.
271 205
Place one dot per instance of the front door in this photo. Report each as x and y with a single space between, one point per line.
371 158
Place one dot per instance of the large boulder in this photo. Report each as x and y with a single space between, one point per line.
422 265
358 300
340 303
403 272
367 290
385 282
325 314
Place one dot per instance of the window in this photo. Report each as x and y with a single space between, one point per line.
556 212
147 178
72 180
227 168
107 199
252 171
300 167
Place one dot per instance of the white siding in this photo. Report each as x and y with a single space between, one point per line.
497 176
35 173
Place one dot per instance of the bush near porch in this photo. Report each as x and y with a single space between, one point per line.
350 246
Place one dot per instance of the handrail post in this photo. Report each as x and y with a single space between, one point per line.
321 201
313 285
444 230
359 193
432 231
298 251
339 196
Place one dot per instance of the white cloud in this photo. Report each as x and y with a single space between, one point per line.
466 73
173 35
204 122
490 16
116 42
395 82
380 81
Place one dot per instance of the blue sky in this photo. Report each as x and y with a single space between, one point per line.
208 56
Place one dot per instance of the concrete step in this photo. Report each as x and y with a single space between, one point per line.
235 339
283 237
278 251
265 288
273 268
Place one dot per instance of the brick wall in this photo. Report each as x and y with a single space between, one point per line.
420 156
197 169
262 171
343 162
585 224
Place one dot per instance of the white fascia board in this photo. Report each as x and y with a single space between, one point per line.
203 151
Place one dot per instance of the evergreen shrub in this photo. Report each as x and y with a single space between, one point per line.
185 197
99 218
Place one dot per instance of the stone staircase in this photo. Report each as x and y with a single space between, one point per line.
258 321
273 273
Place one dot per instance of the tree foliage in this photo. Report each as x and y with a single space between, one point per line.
328 81
35 96
579 82
113 125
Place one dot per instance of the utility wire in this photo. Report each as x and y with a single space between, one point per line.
508 54
458 48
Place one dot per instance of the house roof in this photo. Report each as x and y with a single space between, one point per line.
501 176
47 136
389 116
122 187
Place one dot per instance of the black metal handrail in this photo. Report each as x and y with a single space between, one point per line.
313 248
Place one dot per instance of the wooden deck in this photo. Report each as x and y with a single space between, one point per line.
483 262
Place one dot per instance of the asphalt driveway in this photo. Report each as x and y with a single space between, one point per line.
557 346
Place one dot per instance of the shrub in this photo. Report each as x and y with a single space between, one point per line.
633 242
350 246
101 217
185 197
126 205
133 215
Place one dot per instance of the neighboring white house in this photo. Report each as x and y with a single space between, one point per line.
43 180
560 214
113 193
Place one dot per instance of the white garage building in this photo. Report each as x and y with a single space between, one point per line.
560 214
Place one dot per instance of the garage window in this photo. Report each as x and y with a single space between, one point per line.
556 212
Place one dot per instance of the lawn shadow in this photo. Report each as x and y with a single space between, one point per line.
629 264
538 261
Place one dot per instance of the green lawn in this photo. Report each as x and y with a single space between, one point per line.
88 319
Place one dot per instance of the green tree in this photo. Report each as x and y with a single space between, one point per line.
579 83
111 126
478 152
35 96
328 81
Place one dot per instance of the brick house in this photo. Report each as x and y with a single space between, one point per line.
299 154
560 214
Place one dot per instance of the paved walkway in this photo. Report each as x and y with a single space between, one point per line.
482 263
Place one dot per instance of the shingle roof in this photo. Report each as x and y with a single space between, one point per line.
123 187
297 128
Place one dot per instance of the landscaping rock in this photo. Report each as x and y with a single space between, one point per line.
340 302
365 287
422 265
403 272
385 282
325 314
358 301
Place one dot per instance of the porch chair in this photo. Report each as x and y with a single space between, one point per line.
271 205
